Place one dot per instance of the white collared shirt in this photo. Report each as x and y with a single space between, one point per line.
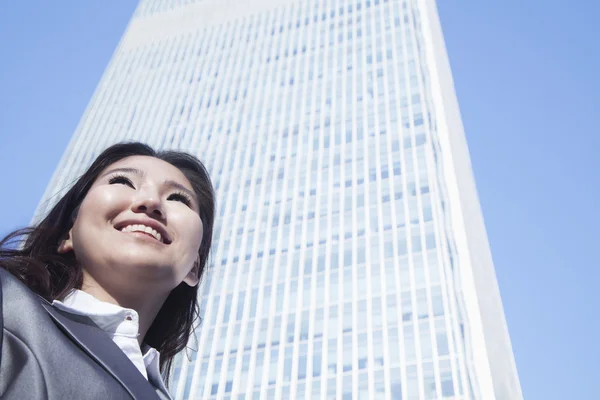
122 326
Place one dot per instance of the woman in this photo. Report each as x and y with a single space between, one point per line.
98 298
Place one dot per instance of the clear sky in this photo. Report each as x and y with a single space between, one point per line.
527 79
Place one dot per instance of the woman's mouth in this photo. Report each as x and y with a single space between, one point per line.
148 231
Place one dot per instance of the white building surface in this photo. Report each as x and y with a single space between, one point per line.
350 258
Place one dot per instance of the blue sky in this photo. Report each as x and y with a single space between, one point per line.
526 75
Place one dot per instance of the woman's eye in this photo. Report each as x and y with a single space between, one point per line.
121 180
181 198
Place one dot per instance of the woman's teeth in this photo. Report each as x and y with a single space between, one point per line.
143 229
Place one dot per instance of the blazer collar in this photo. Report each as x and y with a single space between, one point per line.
98 345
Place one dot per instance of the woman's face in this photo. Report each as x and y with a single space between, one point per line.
138 223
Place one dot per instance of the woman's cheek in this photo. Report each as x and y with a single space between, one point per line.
197 235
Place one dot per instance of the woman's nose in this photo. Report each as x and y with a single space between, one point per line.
149 204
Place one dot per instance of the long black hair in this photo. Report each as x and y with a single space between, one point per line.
31 254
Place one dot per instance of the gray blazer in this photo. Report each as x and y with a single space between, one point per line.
50 354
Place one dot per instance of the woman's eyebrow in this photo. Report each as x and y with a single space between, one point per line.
133 171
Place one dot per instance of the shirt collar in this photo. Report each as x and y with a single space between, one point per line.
107 316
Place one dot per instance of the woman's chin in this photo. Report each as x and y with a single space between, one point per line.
136 262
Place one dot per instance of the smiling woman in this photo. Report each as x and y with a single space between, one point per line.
98 298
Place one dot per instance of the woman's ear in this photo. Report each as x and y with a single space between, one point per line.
66 245
193 278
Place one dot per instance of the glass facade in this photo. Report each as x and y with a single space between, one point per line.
350 259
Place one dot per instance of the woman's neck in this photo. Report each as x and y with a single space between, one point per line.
136 299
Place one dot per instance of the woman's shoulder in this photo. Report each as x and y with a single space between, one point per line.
18 304
33 348
10 286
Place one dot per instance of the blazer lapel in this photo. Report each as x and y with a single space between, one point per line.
104 351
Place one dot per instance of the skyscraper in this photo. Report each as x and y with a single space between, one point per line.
350 256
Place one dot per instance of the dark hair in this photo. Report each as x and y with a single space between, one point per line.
36 262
